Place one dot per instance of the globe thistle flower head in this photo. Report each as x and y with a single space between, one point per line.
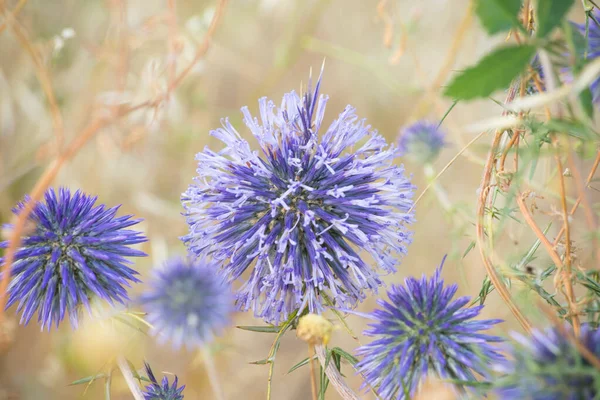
73 251
593 49
547 365
187 302
162 390
421 330
300 216
421 142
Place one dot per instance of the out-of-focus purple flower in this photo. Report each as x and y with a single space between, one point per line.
162 391
75 250
300 216
421 142
593 50
187 302
421 330
548 366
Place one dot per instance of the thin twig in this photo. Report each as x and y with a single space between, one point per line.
15 11
42 74
439 174
491 271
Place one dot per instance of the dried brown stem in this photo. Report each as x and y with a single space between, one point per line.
15 237
15 11
481 202
41 72
566 268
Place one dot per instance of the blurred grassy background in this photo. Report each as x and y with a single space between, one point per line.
99 53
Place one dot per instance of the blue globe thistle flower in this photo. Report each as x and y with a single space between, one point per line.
421 142
74 251
593 50
548 366
300 216
162 391
187 302
421 330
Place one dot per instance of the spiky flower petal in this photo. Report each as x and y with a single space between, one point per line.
301 216
187 302
421 142
421 330
73 251
162 391
547 365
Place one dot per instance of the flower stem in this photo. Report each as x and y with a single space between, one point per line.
213 376
313 382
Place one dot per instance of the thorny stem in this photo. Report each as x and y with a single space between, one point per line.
134 388
76 144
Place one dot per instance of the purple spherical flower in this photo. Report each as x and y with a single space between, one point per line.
593 50
421 330
299 216
187 302
74 250
162 391
421 142
547 365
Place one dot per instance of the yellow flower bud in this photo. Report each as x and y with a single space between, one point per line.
314 329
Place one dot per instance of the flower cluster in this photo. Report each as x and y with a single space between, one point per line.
162 391
300 216
547 365
187 301
421 142
422 330
75 250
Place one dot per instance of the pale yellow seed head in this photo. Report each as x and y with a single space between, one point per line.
314 329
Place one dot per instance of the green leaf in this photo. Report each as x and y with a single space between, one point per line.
587 103
468 250
498 15
87 379
550 14
345 355
261 329
494 71
300 364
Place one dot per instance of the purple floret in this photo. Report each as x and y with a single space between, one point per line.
76 250
422 331
314 212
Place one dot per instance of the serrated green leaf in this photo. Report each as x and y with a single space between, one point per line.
494 71
550 14
498 15
260 329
